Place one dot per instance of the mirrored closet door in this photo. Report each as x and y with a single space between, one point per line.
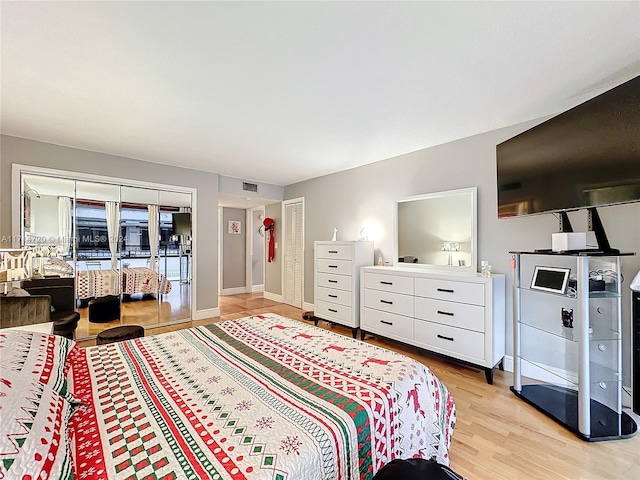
174 261
127 248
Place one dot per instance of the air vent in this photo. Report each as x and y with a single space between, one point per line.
250 187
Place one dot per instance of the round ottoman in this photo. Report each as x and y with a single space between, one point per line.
119 334
104 309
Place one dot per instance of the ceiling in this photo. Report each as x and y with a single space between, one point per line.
280 92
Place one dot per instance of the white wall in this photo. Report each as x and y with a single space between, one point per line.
365 196
257 260
44 219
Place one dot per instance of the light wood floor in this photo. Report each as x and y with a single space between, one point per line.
497 436
144 311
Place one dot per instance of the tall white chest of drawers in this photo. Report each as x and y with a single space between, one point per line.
460 316
337 280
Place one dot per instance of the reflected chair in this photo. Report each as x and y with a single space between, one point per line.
61 291
21 311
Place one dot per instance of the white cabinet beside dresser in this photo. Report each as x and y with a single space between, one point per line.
460 316
337 281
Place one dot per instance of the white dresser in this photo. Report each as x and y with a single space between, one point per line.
460 316
337 280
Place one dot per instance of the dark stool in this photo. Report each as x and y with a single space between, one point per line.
119 334
104 309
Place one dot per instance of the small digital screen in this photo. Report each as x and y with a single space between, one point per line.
550 279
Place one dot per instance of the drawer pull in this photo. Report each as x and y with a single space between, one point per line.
446 290
386 323
445 338
333 281
445 313
336 296
336 311
386 301
333 251
386 283
333 266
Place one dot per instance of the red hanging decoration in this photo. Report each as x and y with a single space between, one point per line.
270 228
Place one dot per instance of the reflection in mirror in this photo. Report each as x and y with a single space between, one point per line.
140 278
174 261
47 224
438 230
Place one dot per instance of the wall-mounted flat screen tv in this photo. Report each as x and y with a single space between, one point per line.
181 223
588 156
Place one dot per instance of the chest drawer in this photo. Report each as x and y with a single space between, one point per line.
341 267
389 302
343 297
332 311
341 282
463 292
454 314
387 323
389 283
340 252
456 342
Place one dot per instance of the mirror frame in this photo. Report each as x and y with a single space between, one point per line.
468 269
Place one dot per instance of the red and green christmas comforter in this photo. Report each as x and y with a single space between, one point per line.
263 397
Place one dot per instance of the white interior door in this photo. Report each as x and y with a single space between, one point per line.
293 239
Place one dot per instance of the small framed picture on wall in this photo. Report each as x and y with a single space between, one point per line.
235 227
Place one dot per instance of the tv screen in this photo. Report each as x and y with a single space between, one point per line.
585 157
181 224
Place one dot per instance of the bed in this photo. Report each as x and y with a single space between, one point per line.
99 283
263 397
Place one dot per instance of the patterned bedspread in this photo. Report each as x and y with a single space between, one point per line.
98 283
263 397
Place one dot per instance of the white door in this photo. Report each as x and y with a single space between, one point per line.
293 239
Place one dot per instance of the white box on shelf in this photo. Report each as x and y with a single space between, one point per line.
561 242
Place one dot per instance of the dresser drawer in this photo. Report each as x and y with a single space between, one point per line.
341 252
341 282
332 311
387 323
389 302
454 314
463 292
333 295
327 265
452 341
389 283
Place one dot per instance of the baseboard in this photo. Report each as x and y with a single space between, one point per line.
233 291
308 307
257 288
206 313
547 374
272 296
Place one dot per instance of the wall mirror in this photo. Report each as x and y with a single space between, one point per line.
438 230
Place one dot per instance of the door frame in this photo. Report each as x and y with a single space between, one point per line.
284 246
